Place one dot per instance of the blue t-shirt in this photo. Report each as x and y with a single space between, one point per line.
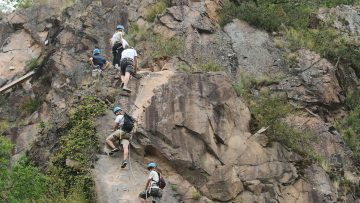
98 60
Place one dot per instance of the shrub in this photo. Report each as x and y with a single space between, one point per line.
161 47
32 64
195 195
22 182
210 66
24 4
154 10
349 128
30 105
4 126
136 34
174 187
78 143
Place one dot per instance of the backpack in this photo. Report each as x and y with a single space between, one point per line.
128 123
161 182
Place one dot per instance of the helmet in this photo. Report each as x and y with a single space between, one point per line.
120 27
151 165
116 109
96 51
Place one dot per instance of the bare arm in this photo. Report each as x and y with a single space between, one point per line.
147 184
116 126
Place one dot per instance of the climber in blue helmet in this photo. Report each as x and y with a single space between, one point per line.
151 187
119 134
98 61
118 44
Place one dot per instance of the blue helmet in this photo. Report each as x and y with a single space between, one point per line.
151 165
120 27
116 109
96 51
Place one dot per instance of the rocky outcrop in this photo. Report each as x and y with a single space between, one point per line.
345 18
313 82
254 49
193 125
198 140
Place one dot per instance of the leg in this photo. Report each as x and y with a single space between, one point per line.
110 142
125 144
126 78
112 137
143 196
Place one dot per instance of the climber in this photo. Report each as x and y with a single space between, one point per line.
128 65
97 61
151 188
118 44
119 134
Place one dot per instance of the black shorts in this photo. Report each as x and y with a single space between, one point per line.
153 192
127 65
117 49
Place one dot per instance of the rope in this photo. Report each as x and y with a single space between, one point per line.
130 167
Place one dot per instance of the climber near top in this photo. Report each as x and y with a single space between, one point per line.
151 187
118 44
121 131
128 65
98 61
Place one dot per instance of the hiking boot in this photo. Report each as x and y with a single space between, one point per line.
123 164
126 89
113 151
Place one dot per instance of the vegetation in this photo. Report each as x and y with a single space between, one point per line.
64 181
195 195
32 64
174 187
292 18
268 110
349 127
210 66
156 9
78 145
21 182
30 105
24 3
4 126
159 46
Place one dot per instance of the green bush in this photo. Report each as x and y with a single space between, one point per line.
30 105
349 128
24 3
79 144
4 126
270 111
32 64
154 10
22 182
161 47
210 66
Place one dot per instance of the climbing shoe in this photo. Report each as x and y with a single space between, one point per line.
126 89
123 164
113 151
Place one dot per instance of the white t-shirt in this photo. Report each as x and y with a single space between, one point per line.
129 53
117 37
119 119
154 177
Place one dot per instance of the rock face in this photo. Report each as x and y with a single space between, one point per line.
313 82
201 128
345 18
255 51
193 125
